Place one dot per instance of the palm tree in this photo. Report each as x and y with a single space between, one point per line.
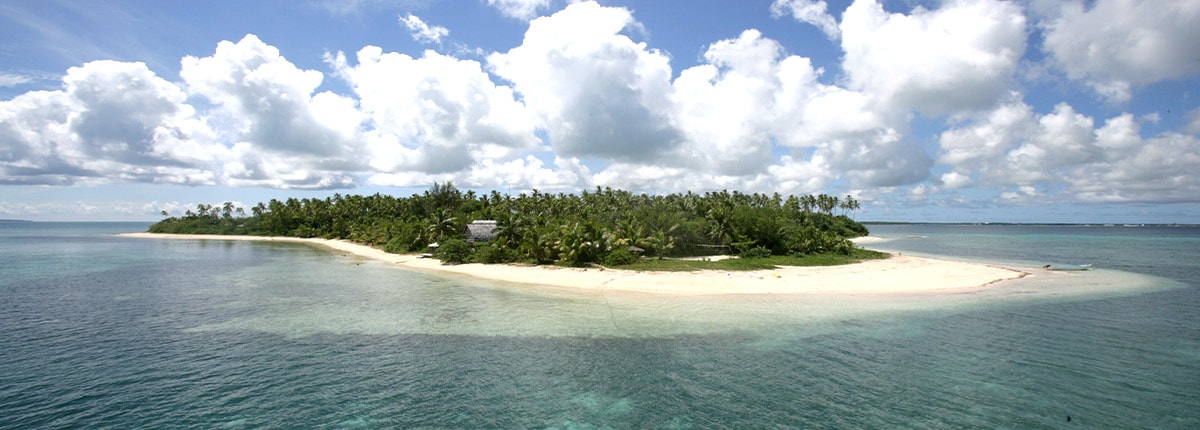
577 243
537 244
628 232
720 229
850 204
826 203
808 203
510 227
662 241
441 225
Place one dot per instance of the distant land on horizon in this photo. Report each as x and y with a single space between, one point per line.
1064 224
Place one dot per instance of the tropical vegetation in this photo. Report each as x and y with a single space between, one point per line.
603 226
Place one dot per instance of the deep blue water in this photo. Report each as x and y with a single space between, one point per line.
104 331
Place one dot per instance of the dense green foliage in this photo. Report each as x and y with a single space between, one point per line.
756 252
620 257
743 264
454 251
494 254
571 229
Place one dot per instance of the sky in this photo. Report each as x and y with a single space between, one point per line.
930 111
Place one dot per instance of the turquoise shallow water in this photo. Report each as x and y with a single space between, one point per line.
104 331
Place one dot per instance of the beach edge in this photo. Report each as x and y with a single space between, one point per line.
899 274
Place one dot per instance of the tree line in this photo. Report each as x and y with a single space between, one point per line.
602 225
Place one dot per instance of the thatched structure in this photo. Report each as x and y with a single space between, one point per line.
481 231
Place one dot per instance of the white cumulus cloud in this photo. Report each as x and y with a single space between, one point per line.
111 121
1064 155
1116 45
582 102
749 97
434 114
284 135
595 91
725 106
956 58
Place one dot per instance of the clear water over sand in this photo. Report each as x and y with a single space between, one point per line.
106 331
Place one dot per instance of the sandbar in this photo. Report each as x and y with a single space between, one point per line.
898 274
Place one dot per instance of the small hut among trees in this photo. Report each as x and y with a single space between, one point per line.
481 231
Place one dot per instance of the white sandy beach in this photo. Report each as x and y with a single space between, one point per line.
899 274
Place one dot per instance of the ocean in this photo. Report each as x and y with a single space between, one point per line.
102 331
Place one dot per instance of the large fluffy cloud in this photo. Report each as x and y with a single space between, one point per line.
725 106
1116 45
886 159
1063 155
958 57
434 114
284 135
750 98
580 102
597 92
601 95
111 121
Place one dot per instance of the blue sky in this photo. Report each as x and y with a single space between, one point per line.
963 111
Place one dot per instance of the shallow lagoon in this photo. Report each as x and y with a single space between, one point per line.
105 331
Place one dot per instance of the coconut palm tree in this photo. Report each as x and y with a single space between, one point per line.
850 204
627 232
538 244
441 225
720 227
662 241
579 242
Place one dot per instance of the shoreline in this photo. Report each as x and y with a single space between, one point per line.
900 274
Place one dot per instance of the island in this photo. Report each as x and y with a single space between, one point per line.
712 243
